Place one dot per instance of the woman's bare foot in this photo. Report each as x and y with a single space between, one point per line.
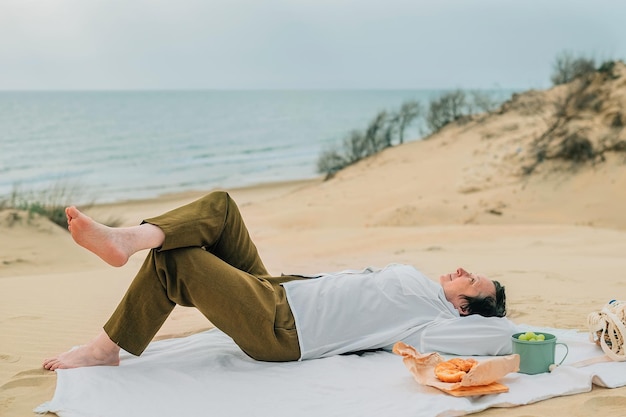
102 240
113 245
98 352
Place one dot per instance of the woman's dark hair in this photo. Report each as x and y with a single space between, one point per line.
487 306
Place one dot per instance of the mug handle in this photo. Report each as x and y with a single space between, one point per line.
566 352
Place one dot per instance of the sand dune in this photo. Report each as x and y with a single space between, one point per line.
556 238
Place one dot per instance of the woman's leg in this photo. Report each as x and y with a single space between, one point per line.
252 310
249 309
214 223
113 245
100 351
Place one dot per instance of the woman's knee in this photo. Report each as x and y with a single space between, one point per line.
220 198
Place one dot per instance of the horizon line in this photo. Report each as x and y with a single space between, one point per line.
201 89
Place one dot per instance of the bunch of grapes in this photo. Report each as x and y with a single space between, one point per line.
532 337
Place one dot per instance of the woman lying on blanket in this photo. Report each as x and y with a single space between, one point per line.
202 256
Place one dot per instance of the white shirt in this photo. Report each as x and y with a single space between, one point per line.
371 309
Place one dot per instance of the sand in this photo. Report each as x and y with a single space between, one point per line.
555 239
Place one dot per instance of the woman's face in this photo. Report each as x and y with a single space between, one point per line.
461 283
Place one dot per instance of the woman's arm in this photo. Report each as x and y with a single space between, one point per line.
471 335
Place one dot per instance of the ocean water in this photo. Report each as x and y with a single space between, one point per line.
140 144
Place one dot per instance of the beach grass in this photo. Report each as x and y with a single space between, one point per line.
49 202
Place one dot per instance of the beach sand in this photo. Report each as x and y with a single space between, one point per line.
555 239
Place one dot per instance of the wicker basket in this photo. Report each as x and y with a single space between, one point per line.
607 328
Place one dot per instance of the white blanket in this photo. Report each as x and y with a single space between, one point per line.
207 375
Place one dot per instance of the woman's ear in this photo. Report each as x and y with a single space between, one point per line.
463 309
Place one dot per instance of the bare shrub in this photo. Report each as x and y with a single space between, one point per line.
445 109
566 108
568 67
378 135
408 113
482 101
375 138
387 129
330 161
576 148
607 68
355 147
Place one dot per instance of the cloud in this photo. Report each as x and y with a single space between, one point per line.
77 44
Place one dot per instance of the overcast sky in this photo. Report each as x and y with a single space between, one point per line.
299 44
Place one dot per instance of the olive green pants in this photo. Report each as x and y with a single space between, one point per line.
208 261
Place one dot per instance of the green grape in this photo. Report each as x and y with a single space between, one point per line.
532 337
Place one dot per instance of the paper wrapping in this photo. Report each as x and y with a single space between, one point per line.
486 372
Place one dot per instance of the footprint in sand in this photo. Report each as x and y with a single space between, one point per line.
32 372
30 378
22 383
5 403
4 358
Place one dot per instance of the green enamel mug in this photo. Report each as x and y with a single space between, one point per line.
536 356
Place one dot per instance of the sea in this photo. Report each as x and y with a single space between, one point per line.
109 146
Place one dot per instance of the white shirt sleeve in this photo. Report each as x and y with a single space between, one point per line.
471 335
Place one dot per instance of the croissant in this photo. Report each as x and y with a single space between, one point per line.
454 370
